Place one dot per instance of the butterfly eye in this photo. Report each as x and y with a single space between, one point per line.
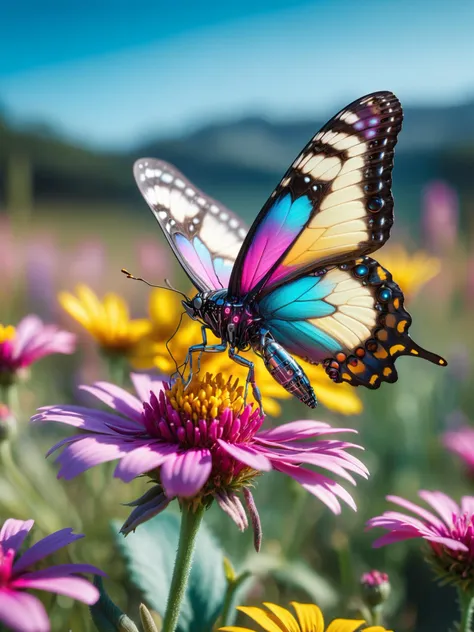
197 302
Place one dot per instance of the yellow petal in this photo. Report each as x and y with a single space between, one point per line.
233 628
284 617
164 309
264 619
310 617
116 308
345 625
90 301
75 309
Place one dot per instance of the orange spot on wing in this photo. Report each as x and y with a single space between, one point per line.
382 334
396 303
390 320
373 379
402 326
347 377
396 349
381 353
387 371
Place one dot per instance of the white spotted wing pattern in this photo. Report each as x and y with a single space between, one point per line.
205 236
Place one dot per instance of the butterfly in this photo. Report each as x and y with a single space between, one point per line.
300 282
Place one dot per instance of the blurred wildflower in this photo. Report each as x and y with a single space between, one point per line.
440 216
375 588
152 258
20 611
30 341
201 443
309 618
411 272
165 311
108 321
461 442
41 267
87 262
450 534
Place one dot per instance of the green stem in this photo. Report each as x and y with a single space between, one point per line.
376 613
466 605
232 588
190 523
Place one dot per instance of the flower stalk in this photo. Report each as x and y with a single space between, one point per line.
191 519
466 606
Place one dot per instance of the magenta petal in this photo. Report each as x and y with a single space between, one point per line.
22 612
89 451
116 398
46 546
60 570
74 587
185 474
145 383
416 509
248 455
297 430
441 503
14 532
143 459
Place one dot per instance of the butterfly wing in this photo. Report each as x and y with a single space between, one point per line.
204 235
334 204
350 318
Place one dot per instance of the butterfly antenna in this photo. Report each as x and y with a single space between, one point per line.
168 285
168 347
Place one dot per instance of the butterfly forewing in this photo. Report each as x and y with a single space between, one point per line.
204 235
334 203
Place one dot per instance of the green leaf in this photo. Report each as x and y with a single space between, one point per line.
108 617
150 553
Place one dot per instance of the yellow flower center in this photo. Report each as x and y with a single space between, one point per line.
207 398
7 332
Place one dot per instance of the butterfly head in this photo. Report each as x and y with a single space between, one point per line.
194 307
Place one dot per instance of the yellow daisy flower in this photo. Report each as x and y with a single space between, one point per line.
309 618
410 271
108 321
165 311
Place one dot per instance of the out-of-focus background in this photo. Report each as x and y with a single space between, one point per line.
229 93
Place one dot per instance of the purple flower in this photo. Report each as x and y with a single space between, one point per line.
23 612
449 532
201 443
461 442
30 341
375 587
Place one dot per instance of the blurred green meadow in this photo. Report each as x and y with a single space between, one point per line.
72 216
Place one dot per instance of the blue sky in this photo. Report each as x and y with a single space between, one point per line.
112 73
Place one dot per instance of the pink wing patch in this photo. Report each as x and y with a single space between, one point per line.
282 224
215 273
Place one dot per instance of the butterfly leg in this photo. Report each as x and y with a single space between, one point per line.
250 377
287 372
201 348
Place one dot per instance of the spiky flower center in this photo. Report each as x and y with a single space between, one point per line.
6 563
198 416
208 398
456 566
7 332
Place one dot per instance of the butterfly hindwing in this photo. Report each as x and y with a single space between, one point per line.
204 235
334 204
350 318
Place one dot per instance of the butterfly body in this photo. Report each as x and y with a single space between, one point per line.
300 282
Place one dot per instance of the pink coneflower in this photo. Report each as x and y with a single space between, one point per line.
461 442
30 341
201 443
449 534
20 611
